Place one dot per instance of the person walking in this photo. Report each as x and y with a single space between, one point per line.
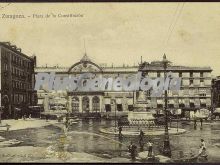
141 140
141 135
201 120
195 124
132 150
202 150
119 131
150 149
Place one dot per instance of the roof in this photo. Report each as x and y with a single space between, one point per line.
175 68
15 49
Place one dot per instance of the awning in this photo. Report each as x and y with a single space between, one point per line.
176 111
203 101
130 101
208 101
40 101
159 101
107 101
118 101
170 101
186 101
197 101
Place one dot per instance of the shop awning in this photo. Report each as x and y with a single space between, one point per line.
186 101
159 101
130 101
170 101
107 101
197 101
203 101
208 101
118 101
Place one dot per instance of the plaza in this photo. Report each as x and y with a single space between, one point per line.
85 142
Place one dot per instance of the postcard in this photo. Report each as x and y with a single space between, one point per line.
109 82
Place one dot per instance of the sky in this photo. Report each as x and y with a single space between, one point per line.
118 33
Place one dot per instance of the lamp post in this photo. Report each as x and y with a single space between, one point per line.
115 115
113 102
166 147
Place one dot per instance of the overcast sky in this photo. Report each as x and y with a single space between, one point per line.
118 33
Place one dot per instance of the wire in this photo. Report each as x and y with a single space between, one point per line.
175 23
176 20
172 21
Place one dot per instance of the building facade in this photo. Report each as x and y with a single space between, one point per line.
195 88
195 92
216 92
17 80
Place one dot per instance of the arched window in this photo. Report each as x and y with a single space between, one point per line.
95 104
75 104
85 104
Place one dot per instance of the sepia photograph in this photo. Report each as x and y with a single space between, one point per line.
134 82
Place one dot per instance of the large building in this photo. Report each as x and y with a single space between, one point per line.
216 92
17 80
195 91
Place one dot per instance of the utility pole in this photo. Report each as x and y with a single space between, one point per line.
166 147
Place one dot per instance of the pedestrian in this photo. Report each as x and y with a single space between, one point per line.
119 131
30 116
141 135
202 150
141 143
133 150
201 120
195 124
150 148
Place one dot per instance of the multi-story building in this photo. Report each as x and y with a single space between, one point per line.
17 80
195 91
216 92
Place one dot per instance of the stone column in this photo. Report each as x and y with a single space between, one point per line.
70 104
80 104
101 103
90 103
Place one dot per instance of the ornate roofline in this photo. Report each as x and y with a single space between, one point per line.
85 60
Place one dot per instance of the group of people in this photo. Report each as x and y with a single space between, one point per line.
195 123
132 148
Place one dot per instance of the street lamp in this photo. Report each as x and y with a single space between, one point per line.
166 147
114 102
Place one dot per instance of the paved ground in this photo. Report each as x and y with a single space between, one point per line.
88 144
25 124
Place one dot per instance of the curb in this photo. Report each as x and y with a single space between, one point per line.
136 133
